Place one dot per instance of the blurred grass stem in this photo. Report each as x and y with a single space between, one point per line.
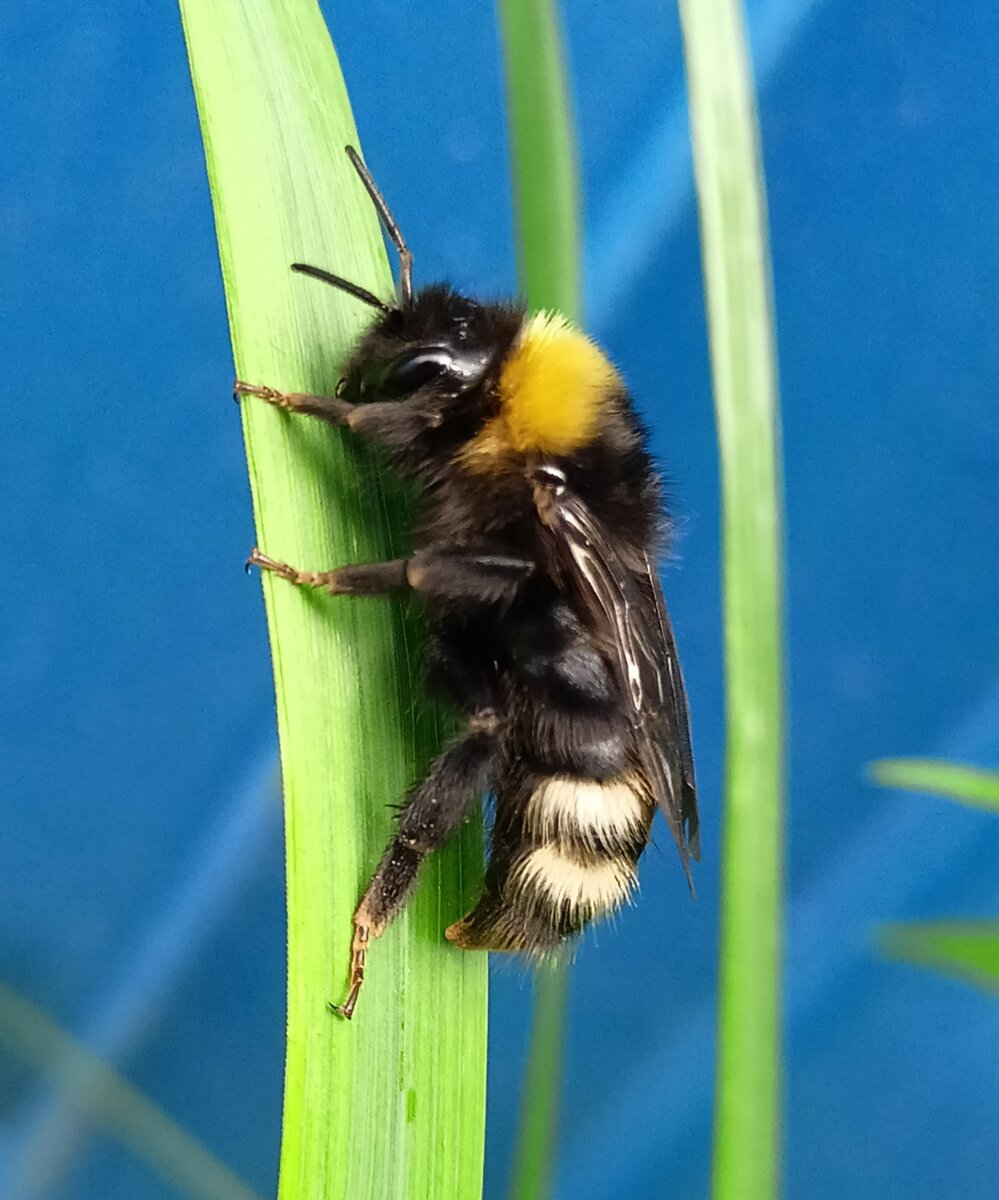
111 1103
735 256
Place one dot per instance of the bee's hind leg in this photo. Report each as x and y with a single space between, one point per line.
433 811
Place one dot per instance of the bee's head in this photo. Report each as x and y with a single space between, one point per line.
435 343
441 346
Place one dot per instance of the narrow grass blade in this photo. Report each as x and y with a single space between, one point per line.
968 785
537 1141
737 282
113 1104
391 1105
546 197
966 950
543 152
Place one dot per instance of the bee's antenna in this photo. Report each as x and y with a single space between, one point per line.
337 281
391 228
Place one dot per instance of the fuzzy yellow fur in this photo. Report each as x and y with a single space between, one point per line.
553 389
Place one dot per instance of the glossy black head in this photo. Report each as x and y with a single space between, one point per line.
436 347
435 365
440 344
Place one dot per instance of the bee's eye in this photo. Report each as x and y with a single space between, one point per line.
413 371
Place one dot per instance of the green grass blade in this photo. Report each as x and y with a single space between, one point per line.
543 152
113 1104
391 1105
966 950
968 785
737 284
546 198
537 1143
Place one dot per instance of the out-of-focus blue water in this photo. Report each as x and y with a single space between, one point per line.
140 851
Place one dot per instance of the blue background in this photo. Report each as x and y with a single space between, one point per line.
140 838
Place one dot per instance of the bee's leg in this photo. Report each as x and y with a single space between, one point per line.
363 579
327 408
482 578
475 577
392 423
432 813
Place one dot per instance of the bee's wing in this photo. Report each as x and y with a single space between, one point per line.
628 613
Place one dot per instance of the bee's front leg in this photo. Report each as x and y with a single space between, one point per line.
393 423
326 408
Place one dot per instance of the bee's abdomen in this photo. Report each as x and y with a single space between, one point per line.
589 818
572 810
572 859
568 720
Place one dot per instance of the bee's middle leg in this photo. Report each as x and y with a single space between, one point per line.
359 579
479 579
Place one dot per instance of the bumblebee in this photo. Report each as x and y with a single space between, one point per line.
535 552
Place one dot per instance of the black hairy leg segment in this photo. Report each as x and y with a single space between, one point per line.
471 577
432 812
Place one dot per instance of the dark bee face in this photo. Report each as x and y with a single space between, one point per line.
447 368
442 345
